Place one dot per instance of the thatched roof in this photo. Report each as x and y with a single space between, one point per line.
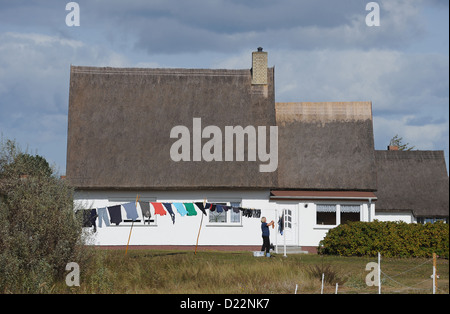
326 146
414 181
120 120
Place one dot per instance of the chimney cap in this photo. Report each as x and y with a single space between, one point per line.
260 49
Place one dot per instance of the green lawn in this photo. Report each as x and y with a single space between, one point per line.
183 272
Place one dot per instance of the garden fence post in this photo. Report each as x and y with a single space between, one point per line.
379 273
321 290
434 274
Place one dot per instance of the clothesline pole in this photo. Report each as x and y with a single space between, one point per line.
131 229
276 233
284 231
200 228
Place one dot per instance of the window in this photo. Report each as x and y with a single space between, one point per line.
218 217
424 220
326 214
226 216
141 220
287 218
335 214
235 217
350 213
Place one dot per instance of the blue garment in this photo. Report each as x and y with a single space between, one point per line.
180 208
265 229
130 209
102 216
115 214
219 208
168 206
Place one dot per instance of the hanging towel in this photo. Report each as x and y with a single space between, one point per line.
168 206
201 207
190 209
145 208
159 209
130 209
180 208
102 216
115 214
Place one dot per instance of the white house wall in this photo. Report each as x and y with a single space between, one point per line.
395 216
309 233
185 229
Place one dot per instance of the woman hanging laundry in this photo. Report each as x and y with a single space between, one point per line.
265 235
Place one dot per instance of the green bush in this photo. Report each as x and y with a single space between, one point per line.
391 239
39 233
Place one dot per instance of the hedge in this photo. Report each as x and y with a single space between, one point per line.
391 239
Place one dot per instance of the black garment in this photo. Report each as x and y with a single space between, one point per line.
281 224
201 207
88 218
115 214
266 244
211 207
168 207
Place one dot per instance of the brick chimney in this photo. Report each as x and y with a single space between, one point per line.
259 67
392 147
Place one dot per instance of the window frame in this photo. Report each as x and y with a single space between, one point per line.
228 213
140 221
338 213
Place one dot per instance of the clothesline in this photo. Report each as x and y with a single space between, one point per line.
113 214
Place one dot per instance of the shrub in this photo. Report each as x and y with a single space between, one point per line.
39 233
391 239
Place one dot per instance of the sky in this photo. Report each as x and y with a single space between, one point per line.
322 50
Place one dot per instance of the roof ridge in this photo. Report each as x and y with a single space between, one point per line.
159 71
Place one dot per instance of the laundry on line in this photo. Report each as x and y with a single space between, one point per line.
184 209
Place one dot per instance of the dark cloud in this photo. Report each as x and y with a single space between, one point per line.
322 50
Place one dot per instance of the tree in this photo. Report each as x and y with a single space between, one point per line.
39 231
398 141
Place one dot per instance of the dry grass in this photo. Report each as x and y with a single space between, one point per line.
181 272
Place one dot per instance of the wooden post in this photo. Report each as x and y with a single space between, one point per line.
131 229
284 231
200 228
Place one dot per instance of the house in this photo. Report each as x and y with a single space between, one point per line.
412 186
205 136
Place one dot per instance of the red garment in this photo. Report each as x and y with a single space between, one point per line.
159 209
